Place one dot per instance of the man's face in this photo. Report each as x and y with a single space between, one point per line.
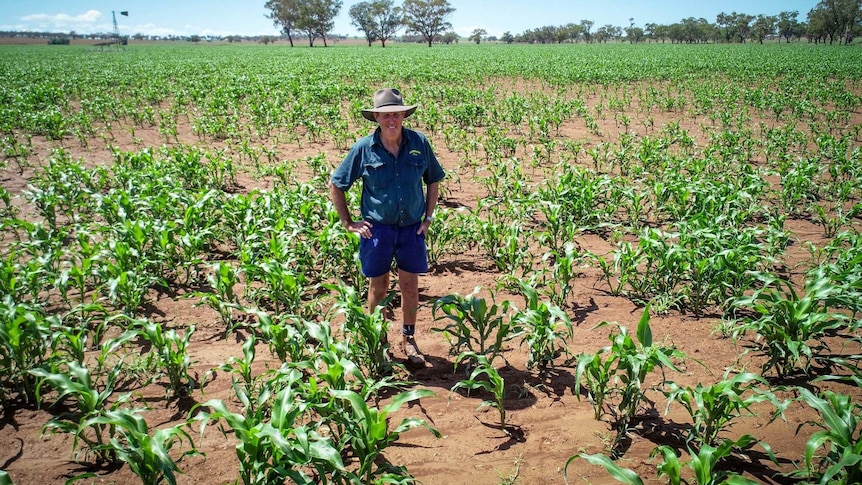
390 122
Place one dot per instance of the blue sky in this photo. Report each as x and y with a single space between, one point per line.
248 17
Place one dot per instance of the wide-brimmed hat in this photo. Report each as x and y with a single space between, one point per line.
388 100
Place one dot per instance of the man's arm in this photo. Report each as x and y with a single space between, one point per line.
430 204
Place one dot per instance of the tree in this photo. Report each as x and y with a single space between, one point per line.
586 27
477 35
362 17
507 37
427 17
313 17
389 19
836 18
764 26
788 26
634 34
317 18
448 38
285 15
743 26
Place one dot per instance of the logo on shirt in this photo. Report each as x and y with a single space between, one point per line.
415 153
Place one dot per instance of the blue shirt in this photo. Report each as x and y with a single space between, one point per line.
392 191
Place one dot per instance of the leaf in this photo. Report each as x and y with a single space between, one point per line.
644 331
623 475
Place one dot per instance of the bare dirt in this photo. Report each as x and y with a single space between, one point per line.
550 423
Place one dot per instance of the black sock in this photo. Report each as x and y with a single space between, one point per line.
408 330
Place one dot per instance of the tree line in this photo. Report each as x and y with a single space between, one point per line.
829 21
377 20
380 20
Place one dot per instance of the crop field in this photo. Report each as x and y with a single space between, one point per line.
646 266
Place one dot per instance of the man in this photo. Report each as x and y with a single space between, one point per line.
393 162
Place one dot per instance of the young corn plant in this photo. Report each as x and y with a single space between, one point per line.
450 235
833 454
274 441
148 455
559 281
475 326
91 399
25 344
790 328
285 335
622 373
703 464
493 384
366 334
546 329
705 460
714 408
170 350
223 278
366 432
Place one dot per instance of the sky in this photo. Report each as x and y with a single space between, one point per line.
248 17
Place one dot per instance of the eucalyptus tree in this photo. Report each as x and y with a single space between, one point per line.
315 18
586 28
427 18
477 34
764 26
285 15
836 18
362 17
388 18
788 25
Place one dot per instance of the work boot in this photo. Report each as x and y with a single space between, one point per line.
411 350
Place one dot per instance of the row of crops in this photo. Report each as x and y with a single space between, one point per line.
691 163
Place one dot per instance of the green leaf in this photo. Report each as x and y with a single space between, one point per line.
644 331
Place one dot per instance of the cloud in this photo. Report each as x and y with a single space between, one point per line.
88 21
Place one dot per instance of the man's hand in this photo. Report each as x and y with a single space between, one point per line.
363 228
423 228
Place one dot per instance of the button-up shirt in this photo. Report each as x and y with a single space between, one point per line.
392 191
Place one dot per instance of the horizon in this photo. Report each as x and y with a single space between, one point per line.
221 18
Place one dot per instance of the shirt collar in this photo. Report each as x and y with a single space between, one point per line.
377 141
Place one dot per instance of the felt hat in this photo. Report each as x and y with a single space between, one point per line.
388 100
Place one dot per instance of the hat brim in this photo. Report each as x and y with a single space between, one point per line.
368 114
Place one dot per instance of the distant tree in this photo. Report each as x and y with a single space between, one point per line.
285 15
389 19
317 18
195 38
427 17
586 30
649 30
836 18
763 27
788 26
507 37
448 38
477 35
362 17
743 26
725 21
634 34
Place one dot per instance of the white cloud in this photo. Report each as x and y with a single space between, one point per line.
85 22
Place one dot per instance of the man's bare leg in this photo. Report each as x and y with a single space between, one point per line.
409 284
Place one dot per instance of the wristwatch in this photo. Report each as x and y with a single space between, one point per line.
429 219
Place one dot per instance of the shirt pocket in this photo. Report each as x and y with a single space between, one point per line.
374 173
416 162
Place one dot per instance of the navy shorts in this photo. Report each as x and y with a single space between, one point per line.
388 242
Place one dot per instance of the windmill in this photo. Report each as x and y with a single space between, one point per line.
117 39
